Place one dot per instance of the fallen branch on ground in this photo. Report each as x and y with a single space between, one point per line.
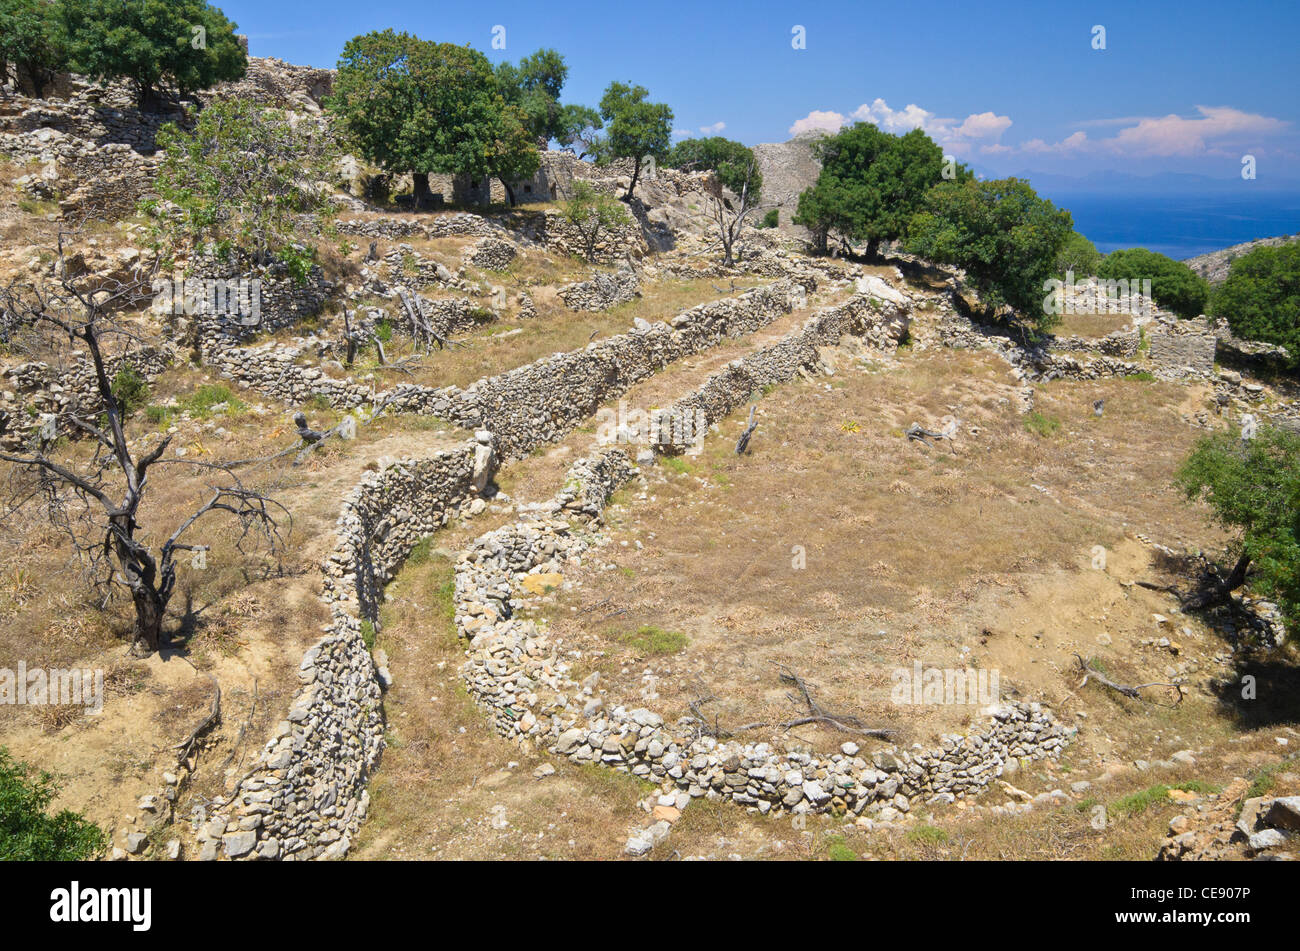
818 714
1090 672
186 746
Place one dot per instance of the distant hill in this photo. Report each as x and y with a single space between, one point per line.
1214 266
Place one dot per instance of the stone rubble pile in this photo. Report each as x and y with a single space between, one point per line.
491 254
602 291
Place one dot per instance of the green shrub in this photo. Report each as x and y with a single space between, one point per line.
1261 297
837 850
926 835
1041 425
201 402
1173 284
130 389
649 639
159 415
27 832
771 220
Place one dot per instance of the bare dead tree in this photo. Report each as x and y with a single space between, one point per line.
97 501
730 217
354 340
422 328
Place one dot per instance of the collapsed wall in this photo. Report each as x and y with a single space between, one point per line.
36 391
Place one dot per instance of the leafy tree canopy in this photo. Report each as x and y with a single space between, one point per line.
1173 284
579 128
186 43
1079 256
32 40
415 106
1004 236
534 86
636 129
872 183
1254 486
733 162
242 182
1261 297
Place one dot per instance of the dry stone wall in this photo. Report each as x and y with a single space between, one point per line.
539 403
34 391
517 671
306 796
880 324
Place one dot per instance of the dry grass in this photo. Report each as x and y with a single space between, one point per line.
1092 325
909 553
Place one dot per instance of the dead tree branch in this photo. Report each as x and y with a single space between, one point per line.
1090 672
818 714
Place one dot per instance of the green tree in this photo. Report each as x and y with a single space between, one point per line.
32 41
27 832
242 183
185 43
1005 237
1173 284
1261 297
872 183
637 129
1253 486
580 129
1078 256
415 106
592 213
732 162
534 86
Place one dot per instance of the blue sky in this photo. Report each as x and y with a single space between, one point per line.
1011 87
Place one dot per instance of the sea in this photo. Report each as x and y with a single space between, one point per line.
1179 225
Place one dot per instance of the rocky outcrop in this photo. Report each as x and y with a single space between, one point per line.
1267 829
1214 267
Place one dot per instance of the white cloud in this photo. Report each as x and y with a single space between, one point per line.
955 135
713 129
818 121
1175 135
1207 132
1072 143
